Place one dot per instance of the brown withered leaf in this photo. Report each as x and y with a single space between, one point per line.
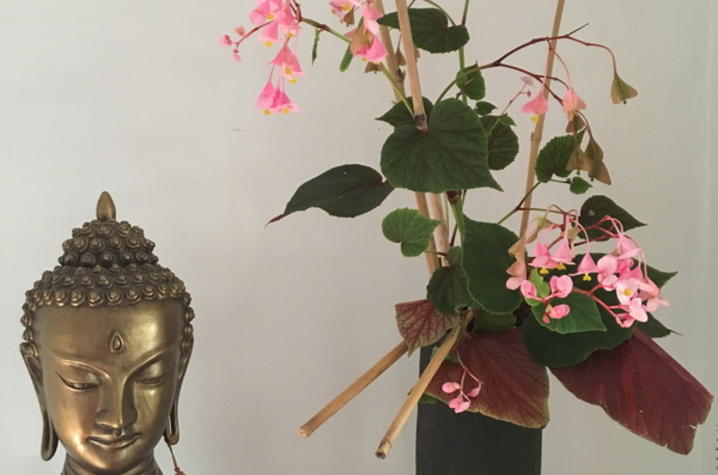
621 91
590 161
514 387
372 67
359 39
348 19
420 324
575 125
400 59
641 387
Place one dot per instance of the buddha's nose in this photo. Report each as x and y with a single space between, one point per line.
117 409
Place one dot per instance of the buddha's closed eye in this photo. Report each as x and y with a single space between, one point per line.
78 385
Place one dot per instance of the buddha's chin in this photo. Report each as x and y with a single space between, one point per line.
112 456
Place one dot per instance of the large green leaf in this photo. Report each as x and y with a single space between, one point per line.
659 277
553 157
471 82
596 207
448 289
430 30
486 259
584 315
554 349
452 155
420 324
654 328
503 142
399 115
410 228
345 191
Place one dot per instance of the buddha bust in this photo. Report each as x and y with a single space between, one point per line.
107 339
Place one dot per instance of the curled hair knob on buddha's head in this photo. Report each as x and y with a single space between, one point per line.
106 318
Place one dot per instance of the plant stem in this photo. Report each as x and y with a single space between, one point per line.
518 206
538 129
397 90
323 27
346 396
445 91
441 9
466 12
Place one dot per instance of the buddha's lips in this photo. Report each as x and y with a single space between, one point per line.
114 443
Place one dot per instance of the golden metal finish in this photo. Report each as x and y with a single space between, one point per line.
108 336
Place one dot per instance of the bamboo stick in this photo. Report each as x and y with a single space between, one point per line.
537 134
343 398
415 395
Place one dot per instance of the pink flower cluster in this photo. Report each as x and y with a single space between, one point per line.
276 21
365 41
462 401
622 271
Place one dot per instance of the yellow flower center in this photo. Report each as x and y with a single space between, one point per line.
270 16
268 43
535 119
627 292
586 278
543 271
267 111
560 266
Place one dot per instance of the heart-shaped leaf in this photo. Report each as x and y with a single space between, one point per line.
503 142
410 228
579 186
430 30
486 259
653 328
448 289
645 390
421 324
554 156
451 155
345 191
621 91
471 82
514 387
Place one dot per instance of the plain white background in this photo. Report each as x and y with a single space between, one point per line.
139 99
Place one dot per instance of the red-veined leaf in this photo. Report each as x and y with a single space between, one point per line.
641 387
515 387
420 324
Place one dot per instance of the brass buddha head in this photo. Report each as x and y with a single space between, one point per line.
107 339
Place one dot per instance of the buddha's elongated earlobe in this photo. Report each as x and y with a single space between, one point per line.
49 438
172 433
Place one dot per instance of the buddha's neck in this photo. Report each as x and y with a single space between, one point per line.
146 467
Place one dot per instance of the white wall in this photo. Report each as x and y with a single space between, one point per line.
137 98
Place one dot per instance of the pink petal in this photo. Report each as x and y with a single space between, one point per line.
561 286
462 407
559 311
528 290
538 105
450 387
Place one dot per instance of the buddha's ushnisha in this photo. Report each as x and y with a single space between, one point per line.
107 339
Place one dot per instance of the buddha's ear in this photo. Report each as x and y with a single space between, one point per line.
30 355
172 432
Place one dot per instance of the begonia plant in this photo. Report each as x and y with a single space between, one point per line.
569 291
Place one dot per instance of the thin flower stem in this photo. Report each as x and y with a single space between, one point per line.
397 89
441 9
466 12
518 206
323 27
445 91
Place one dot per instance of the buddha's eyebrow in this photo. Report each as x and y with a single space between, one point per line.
149 358
82 366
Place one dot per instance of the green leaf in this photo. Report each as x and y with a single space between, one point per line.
486 259
584 315
579 186
452 155
621 91
345 191
456 255
410 228
430 29
653 328
471 82
315 45
503 142
448 289
542 287
556 350
484 108
399 115
596 207
553 157
346 60
659 277
493 322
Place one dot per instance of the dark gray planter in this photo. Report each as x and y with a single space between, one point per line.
472 444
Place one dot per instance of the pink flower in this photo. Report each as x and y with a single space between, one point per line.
537 106
558 312
564 254
264 11
572 103
342 7
235 57
374 53
287 62
459 404
607 266
542 257
371 15
650 292
270 34
587 266
561 286
450 387
528 290
626 247
626 290
225 40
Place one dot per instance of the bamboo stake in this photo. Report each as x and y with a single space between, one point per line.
537 134
343 398
392 64
413 399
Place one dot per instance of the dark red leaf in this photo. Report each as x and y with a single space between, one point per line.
515 387
640 386
420 324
